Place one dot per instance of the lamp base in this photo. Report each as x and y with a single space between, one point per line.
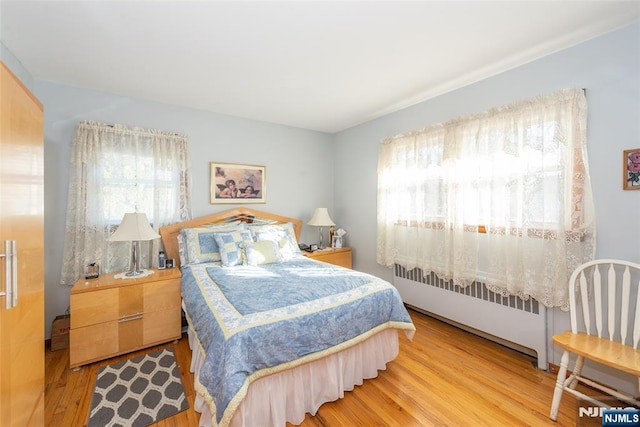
321 246
133 274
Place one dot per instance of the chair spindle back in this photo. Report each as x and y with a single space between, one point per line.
608 290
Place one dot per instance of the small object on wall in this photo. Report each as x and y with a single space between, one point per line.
631 169
235 183
92 271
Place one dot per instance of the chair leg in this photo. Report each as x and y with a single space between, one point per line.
577 370
557 394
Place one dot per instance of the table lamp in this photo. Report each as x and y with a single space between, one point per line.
134 228
321 219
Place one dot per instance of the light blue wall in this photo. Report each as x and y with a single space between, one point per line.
608 67
298 162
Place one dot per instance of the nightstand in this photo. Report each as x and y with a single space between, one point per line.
337 256
112 316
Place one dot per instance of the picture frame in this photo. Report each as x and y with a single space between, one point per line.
336 241
631 169
231 182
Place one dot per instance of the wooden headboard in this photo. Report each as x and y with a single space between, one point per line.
169 233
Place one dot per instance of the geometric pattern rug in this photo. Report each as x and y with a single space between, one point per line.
138 392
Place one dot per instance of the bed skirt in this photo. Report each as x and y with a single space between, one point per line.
287 396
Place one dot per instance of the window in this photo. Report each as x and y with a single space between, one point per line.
517 173
130 182
116 170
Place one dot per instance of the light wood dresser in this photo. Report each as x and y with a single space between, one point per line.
112 316
337 256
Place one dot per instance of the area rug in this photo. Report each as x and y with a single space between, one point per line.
138 392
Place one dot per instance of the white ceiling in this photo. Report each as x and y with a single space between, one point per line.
323 65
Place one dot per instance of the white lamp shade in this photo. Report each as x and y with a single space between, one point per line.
321 218
134 226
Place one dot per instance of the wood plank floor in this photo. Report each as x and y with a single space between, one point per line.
444 377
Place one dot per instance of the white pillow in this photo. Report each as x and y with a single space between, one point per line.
263 252
284 234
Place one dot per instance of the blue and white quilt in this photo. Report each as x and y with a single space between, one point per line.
252 321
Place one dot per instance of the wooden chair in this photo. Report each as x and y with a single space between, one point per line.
604 293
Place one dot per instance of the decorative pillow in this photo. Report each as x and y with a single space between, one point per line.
284 234
200 245
232 246
181 250
263 252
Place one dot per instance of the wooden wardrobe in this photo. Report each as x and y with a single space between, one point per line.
22 259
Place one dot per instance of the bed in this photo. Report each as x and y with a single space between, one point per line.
275 334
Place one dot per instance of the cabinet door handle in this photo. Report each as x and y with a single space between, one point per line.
14 270
130 317
7 282
8 273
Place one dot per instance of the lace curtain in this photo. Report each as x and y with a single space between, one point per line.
115 170
503 197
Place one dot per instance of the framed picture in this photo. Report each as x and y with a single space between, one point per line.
336 241
631 169
235 183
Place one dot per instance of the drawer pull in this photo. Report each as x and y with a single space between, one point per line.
129 317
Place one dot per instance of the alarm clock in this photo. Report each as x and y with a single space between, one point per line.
313 248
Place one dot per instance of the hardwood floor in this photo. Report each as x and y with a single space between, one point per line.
444 377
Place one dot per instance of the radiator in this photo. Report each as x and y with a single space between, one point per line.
507 320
